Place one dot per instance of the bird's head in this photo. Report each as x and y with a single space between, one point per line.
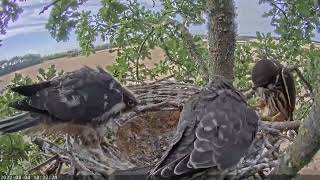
129 99
218 82
265 72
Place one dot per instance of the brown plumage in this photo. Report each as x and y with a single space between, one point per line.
275 87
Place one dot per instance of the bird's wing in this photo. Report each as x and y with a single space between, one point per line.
215 130
78 96
29 90
182 142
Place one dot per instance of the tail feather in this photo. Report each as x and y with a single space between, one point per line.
12 118
30 90
17 123
22 126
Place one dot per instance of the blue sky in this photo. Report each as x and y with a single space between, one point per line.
28 33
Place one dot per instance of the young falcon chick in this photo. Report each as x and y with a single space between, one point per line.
76 103
215 130
274 85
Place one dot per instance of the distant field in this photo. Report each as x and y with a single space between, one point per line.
100 58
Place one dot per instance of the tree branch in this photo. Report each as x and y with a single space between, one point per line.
283 126
139 52
305 82
280 9
48 6
222 38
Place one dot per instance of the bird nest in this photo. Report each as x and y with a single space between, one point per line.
139 137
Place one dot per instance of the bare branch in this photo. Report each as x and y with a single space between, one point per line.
306 83
55 157
139 52
48 6
283 126
280 9
251 170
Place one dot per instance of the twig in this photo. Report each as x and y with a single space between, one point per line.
48 6
153 3
55 157
139 51
79 166
52 167
47 146
167 52
306 83
273 130
251 170
276 132
59 168
305 112
162 79
151 106
277 7
287 125
94 162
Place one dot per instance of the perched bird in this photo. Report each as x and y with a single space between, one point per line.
215 130
275 87
76 103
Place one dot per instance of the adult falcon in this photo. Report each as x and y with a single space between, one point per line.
275 87
215 130
77 103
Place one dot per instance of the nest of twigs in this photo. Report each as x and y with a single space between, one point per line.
139 137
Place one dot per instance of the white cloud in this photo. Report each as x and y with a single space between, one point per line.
30 21
23 30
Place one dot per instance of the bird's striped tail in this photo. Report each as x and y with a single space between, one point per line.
18 122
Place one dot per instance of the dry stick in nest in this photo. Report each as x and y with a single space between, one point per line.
157 96
263 155
55 157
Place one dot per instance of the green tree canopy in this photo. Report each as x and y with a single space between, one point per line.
133 30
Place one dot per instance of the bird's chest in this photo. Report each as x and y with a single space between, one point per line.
271 99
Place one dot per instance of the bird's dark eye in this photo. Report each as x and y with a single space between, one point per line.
130 103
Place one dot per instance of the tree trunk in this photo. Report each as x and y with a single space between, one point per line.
304 147
222 37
